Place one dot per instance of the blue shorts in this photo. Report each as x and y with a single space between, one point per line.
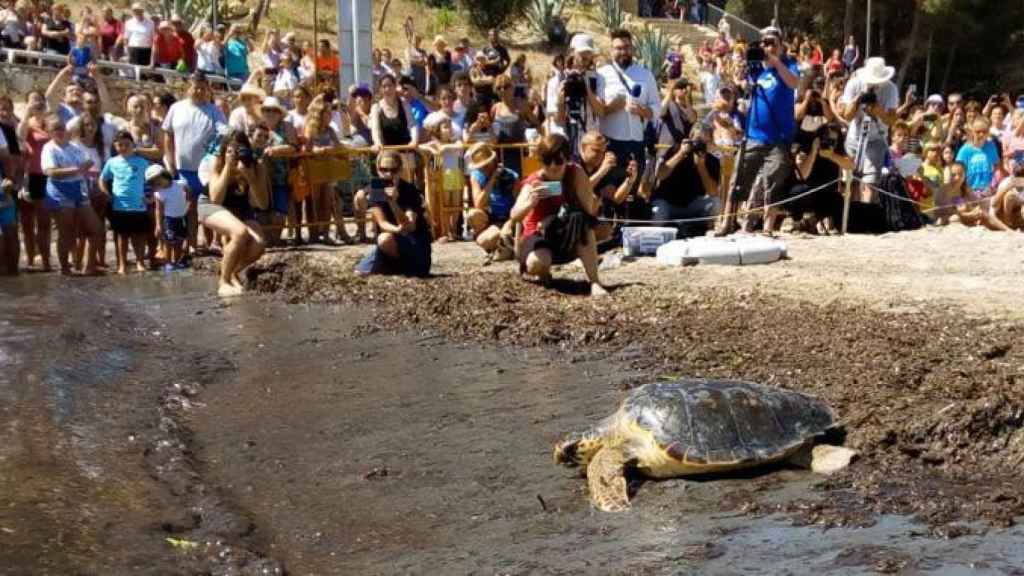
195 187
175 230
280 198
64 195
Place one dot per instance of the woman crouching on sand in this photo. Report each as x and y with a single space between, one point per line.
558 210
238 186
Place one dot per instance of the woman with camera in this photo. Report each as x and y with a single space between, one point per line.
558 210
238 184
494 189
396 207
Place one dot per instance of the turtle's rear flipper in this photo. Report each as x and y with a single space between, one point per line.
607 480
824 458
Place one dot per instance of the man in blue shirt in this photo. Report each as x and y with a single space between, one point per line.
766 163
411 94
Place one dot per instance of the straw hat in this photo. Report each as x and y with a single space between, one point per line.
479 155
875 72
440 41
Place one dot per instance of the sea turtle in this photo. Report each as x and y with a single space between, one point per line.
692 426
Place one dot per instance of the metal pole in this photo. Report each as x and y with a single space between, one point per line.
775 20
928 65
867 34
357 75
214 15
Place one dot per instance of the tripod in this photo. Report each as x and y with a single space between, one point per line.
729 220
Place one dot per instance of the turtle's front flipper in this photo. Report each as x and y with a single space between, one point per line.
607 480
826 459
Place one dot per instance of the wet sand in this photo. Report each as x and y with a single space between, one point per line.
338 425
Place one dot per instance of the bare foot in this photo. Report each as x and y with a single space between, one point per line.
236 281
95 271
66 271
598 291
228 290
140 267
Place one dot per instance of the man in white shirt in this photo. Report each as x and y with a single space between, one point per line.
869 105
631 100
138 36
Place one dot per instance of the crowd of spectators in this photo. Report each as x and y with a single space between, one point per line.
467 143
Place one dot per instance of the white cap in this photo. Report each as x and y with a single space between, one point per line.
156 171
582 43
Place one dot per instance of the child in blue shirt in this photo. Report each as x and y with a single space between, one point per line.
123 179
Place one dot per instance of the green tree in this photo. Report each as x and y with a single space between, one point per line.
486 14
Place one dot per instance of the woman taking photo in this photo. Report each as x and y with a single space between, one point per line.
392 124
65 166
238 184
557 208
396 207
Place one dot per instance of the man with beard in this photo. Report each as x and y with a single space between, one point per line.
631 100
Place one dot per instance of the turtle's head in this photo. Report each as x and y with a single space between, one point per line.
577 451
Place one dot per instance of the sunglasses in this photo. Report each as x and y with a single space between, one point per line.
555 161
767 43
387 170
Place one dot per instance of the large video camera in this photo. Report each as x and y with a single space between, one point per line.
575 85
869 98
755 60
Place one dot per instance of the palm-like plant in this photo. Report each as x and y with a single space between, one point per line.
545 17
611 14
652 47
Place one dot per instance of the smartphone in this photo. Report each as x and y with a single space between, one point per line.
550 188
912 90
377 193
519 92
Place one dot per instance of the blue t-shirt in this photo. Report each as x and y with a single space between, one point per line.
419 111
503 193
772 110
980 163
128 175
236 58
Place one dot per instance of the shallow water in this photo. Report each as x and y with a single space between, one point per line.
317 441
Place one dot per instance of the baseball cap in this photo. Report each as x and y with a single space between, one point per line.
582 43
935 99
771 32
156 171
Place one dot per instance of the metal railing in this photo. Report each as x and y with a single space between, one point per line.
15 57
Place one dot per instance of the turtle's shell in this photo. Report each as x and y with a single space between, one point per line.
721 424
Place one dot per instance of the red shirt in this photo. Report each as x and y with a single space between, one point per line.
109 32
168 49
546 207
188 47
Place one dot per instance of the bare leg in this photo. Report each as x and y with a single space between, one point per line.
27 214
255 248
121 246
139 247
538 264
588 256
359 208
89 229
65 238
388 244
239 237
43 236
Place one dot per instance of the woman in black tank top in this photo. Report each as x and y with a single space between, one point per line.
393 130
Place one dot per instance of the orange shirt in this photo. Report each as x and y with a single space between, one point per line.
330 64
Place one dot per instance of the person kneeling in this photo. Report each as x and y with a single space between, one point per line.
687 188
557 209
238 184
494 190
396 207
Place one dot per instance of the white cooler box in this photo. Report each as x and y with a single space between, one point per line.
637 241
740 251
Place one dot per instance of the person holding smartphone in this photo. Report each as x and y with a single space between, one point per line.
396 208
557 208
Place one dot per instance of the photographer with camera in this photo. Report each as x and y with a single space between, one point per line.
686 186
869 105
572 97
764 163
